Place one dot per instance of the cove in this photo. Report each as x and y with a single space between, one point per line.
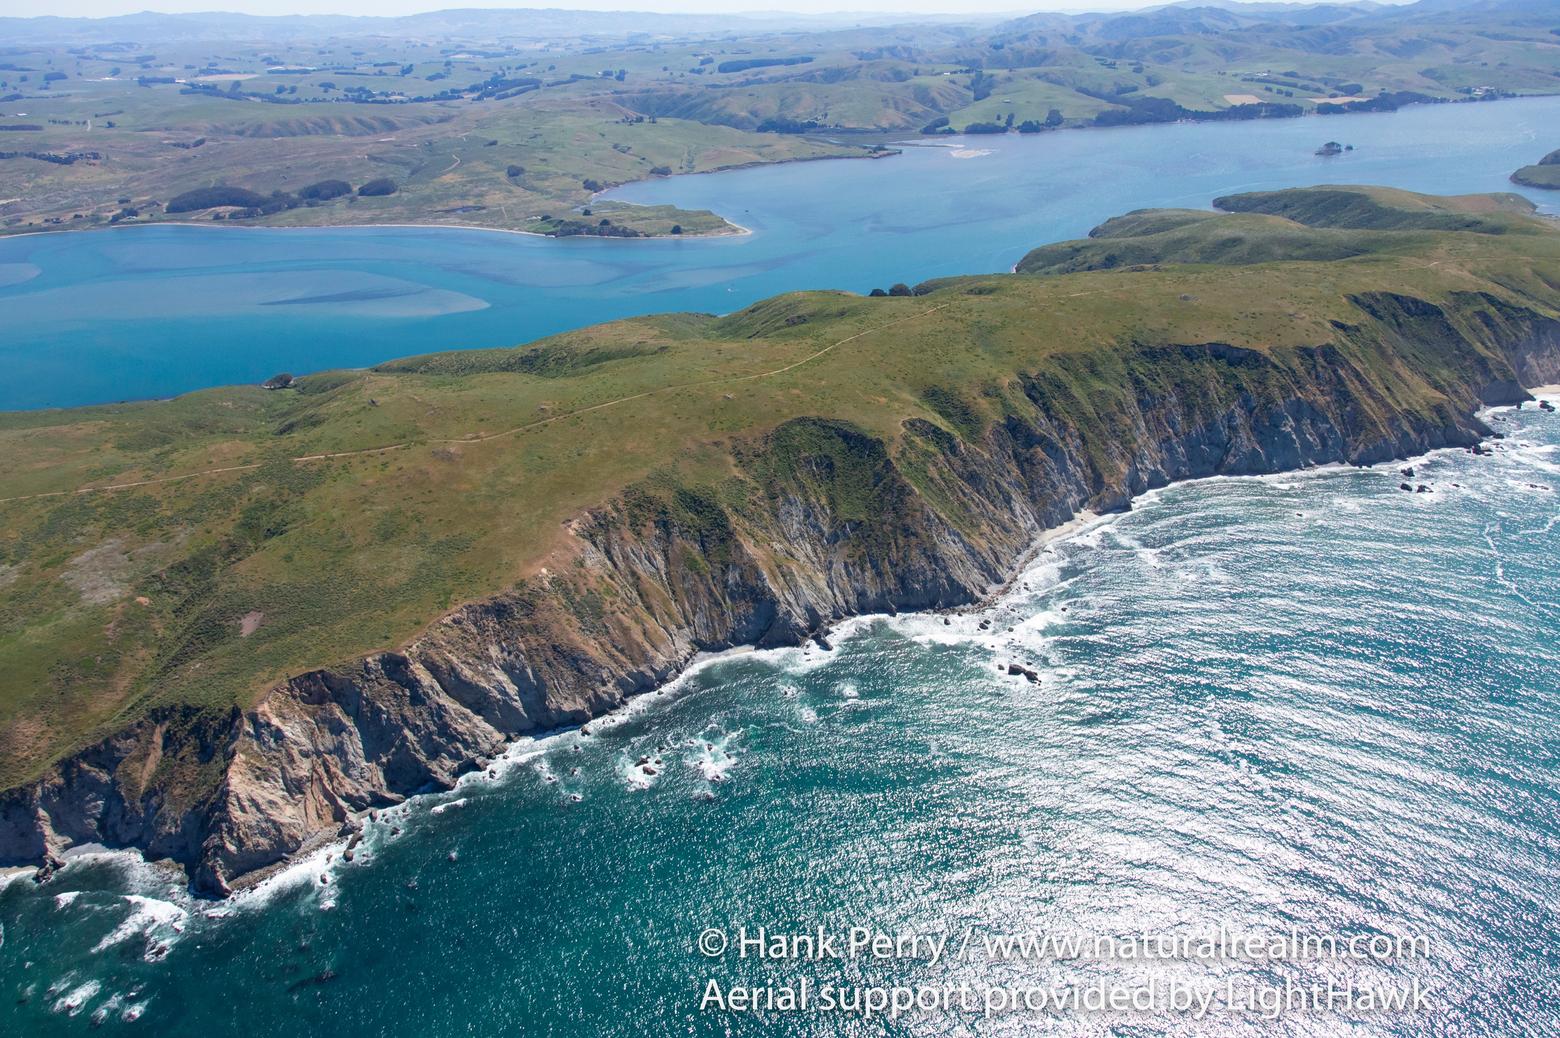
142 312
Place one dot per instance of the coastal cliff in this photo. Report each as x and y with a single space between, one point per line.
825 521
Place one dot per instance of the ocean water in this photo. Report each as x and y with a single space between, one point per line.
1309 704
142 312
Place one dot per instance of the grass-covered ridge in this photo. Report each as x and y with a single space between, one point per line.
1544 173
1385 209
256 534
1321 223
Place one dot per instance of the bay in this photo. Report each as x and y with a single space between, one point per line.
143 312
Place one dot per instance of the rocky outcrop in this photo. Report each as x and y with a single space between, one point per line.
827 522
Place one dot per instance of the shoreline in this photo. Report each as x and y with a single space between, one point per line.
317 863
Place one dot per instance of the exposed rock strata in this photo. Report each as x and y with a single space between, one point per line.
835 523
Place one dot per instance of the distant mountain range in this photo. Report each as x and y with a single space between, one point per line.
1194 17
549 23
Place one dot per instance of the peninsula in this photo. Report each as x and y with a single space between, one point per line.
236 619
1545 173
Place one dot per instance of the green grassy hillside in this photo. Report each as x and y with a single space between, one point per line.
199 550
1385 209
1322 223
1544 173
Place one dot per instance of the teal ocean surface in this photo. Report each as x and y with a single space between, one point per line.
1306 704
144 312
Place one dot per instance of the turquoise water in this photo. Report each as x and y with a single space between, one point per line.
152 311
1233 727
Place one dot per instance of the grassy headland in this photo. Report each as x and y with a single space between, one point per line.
1544 173
199 550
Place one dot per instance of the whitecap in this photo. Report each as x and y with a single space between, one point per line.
149 918
302 872
11 875
73 1002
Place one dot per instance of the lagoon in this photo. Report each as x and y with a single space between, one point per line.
141 312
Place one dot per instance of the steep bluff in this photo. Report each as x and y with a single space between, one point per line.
820 521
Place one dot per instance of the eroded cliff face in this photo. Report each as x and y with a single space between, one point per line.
825 522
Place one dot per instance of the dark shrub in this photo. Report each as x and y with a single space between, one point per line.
751 63
213 197
378 188
325 190
277 203
780 124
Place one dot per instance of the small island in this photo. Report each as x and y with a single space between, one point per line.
1334 148
1545 173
